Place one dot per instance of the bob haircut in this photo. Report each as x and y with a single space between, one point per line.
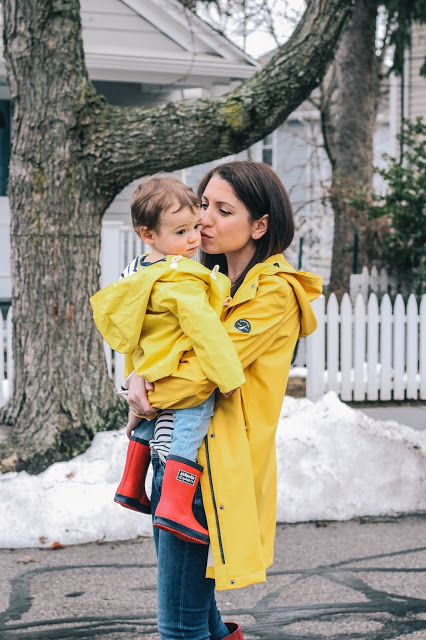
262 192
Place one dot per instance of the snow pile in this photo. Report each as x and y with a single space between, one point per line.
334 463
71 502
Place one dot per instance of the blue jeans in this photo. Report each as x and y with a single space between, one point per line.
187 607
189 428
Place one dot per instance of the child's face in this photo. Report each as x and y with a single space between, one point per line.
179 232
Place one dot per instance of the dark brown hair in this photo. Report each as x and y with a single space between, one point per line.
262 192
158 194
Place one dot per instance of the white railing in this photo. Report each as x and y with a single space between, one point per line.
119 245
363 352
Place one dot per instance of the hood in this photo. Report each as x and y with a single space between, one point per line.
306 286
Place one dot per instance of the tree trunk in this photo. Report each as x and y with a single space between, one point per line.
61 391
348 118
71 154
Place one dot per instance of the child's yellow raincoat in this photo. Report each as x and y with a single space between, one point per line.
165 310
264 320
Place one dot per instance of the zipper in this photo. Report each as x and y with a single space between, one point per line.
209 471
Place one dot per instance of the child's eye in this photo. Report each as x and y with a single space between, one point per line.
197 226
181 232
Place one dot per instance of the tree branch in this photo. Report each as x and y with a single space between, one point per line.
126 143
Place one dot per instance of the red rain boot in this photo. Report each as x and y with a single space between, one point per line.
131 490
174 511
234 631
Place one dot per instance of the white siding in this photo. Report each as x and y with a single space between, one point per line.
111 26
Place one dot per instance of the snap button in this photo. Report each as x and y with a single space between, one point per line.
212 435
221 507
232 581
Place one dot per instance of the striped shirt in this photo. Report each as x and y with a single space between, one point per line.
138 263
163 430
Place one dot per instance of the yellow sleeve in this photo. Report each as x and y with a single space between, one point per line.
209 339
128 364
252 327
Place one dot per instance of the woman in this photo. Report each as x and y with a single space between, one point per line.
247 224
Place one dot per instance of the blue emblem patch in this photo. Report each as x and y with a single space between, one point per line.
243 325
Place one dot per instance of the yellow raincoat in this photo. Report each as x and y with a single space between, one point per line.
163 311
268 313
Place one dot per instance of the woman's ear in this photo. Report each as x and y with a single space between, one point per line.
260 227
146 235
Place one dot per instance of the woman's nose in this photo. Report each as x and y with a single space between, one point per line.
206 217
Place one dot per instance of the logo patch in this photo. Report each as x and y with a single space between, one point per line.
243 325
187 478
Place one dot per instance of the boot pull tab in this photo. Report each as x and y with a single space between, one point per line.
175 260
215 271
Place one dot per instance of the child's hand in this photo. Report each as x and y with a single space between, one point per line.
230 393
132 423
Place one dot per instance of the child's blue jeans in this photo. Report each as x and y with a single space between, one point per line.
189 428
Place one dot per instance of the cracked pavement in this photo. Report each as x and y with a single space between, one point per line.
359 580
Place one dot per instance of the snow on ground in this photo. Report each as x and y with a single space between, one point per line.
334 463
71 502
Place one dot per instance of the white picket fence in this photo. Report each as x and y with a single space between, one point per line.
363 352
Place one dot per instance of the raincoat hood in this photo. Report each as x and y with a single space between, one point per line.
306 286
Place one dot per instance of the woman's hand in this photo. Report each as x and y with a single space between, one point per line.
138 396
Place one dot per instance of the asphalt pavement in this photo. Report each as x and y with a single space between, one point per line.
363 579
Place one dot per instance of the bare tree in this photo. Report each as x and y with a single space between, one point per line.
349 103
72 152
